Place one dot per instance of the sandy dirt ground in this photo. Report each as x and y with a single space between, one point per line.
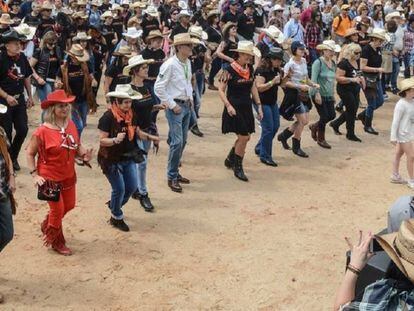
274 243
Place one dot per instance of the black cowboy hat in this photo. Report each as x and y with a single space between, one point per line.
11 35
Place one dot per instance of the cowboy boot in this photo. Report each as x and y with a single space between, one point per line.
361 117
238 168
314 131
296 148
229 162
283 138
368 126
60 245
321 139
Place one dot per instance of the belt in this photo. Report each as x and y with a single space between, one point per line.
181 102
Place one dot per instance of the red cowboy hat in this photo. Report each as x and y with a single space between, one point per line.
57 97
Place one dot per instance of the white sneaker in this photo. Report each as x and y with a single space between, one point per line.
410 183
397 179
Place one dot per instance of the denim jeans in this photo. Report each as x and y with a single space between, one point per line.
177 138
215 68
374 102
123 179
270 125
44 90
79 114
395 72
142 167
198 92
407 70
6 222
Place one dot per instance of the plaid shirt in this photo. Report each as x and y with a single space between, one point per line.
408 41
382 296
312 35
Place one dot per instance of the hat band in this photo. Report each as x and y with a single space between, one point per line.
397 250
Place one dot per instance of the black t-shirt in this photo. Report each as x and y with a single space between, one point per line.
178 29
106 124
148 25
108 32
373 56
246 26
99 49
258 19
44 26
230 17
31 20
158 56
197 58
268 97
115 72
118 26
214 35
350 72
143 107
13 72
76 79
104 7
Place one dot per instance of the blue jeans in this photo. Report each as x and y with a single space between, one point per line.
198 92
395 72
123 179
374 102
270 125
142 167
6 223
407 70
79 114
177 138
44 90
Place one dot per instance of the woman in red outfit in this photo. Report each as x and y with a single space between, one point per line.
56 144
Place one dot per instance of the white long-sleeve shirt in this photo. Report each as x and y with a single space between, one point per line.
402 128
174 81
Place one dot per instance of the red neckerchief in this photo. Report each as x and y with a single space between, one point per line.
243 72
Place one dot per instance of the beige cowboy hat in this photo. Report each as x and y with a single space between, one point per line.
154 34
151 11
106 15
81 36
3 108
133 33
81 2
5 19
405 84
247 47
82 15
123 51
116 6
78 52
345 7
227 26
138 4
278 7
350 32
135 61
124 91
392 15
46 6
400 8
198 32
329 45
378 2
399 246
96 3
26 30
184 38
379 33
275 34
213 13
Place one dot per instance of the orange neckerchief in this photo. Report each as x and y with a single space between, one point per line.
243 72
124 116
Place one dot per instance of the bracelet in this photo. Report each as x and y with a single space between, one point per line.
353 269
114 141
34 171
270 83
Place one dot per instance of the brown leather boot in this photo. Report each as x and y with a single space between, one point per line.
321 140
314 131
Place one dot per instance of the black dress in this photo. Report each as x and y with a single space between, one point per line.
239 96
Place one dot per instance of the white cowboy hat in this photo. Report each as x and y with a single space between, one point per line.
81 36
78 52
329 45
124 91
247 47
3 108
275 34
26 30
278 7
379 33
262 3
151 11
116 6
183 13
184 38
405 84
183 5
125 2
392 15
133 33
106 14
198 32
135 61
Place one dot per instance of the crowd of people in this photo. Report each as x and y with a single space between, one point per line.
156 55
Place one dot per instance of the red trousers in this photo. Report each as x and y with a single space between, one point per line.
59 209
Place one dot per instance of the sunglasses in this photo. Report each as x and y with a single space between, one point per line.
51 43
357 53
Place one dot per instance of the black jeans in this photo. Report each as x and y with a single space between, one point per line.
6 222
350 98
215 68
326 112
15 116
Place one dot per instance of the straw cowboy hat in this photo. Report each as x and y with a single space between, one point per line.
247 47
184 38
3 108
329 45
198 32
26 30
379 33
133 33
78 52
275 34
151 11
213 13
5 19
392 15
106 15
135 61
400 8
406 84
81 2
227 26
81 36
116 6
400 247
123 51
154 34
124 91
82 15
378 2
96 3
344 7
46 6
138 4
350 32
57 97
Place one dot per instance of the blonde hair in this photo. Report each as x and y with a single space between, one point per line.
49 115
349 51
47 37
